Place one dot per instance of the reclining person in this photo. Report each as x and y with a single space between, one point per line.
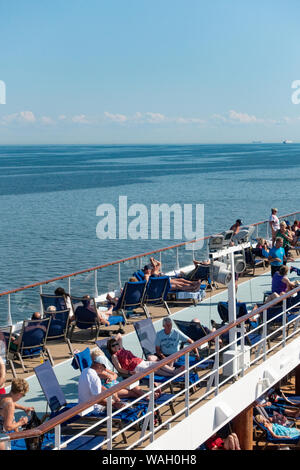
278 431
127 363
89 386
109 378
177 283
102 316
168 341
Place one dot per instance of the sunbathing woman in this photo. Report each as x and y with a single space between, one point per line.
126 363
278 430
177 283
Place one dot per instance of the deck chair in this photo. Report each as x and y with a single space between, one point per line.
5 341
252 262
274 440
131 297
84 442
156 293
32 341
147 335
58 301
102 344
241 309
59 326
201 273
57 403
86 318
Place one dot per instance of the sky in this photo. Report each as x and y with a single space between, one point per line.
149 71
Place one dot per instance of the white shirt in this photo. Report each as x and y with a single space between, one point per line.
275 222
89 386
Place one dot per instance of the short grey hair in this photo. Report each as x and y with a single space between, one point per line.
166 320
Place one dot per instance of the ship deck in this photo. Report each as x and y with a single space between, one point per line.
250 290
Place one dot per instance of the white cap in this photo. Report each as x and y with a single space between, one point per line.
101 360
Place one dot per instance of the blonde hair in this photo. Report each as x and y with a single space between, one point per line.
19 386
95 353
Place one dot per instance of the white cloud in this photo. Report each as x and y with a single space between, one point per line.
155 117
80 118
116 117
62 117
21 117
242 117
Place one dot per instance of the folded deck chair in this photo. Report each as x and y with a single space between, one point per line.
131 297
156 292
32 341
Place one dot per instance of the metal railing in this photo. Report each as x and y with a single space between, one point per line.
275 332
107 277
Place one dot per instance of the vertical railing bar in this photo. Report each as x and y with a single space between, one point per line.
9 319
186 384
41 303
69 285
109 422
217 378
57 436
119 276
265 334
284 323
95 283
243 347
151 406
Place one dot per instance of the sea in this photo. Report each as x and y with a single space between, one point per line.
52 199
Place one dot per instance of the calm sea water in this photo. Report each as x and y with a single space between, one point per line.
49 196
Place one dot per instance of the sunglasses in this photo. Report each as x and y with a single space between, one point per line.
115 344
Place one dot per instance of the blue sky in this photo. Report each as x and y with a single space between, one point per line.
149 71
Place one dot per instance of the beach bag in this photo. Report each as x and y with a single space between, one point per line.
34 443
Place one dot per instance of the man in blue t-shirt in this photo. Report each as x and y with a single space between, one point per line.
168 340
277 256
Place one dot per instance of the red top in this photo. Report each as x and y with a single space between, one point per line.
2 391
127 360
214 441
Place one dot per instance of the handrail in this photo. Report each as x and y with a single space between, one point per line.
112 263
47 426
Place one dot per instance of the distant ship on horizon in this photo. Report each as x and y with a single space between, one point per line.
287 142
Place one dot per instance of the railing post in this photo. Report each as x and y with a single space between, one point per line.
4 438
186 384
151 406
177 258
9 319
119 276
57 436
69 285
284 322
217 353
96 284
41 303
109 422
243 347
264 335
